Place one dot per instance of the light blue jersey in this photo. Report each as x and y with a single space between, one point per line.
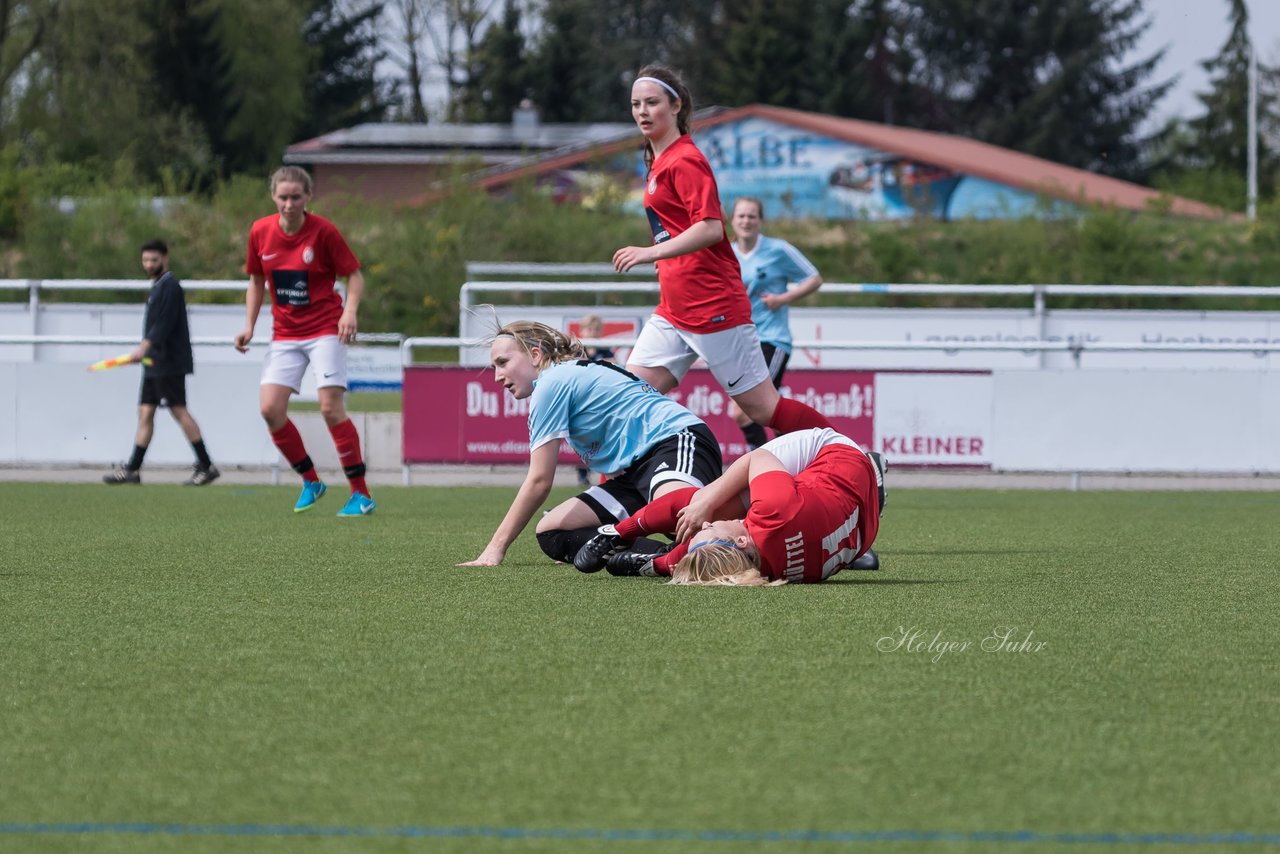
609 417
768 269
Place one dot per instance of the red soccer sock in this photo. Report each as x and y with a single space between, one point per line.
667 562
289 441
657 517
347 441
791 415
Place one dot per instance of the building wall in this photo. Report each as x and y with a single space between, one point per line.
376 182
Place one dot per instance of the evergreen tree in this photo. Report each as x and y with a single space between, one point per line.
1044 78
568 71
341 88
501 80
588 52
1217 140
765 54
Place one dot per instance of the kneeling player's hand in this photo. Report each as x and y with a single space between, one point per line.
488 557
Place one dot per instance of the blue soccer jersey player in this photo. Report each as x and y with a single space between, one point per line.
647 444
775 274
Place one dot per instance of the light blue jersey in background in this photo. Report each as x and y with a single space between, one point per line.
768 269
609 417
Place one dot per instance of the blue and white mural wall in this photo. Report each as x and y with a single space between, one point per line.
797 173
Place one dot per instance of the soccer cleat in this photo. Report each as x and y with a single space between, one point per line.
203 476
357 505
311 492
121 474
881 467
631 564
868 561
596 551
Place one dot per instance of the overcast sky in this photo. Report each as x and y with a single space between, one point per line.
1195 30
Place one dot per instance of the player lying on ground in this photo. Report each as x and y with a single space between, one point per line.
812 501
647 444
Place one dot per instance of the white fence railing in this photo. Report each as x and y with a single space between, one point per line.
1075 348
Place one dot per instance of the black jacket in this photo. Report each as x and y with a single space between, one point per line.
165 326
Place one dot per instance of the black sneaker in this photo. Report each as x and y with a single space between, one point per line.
632 563
881 467
121 474
868 561
597 550
203 476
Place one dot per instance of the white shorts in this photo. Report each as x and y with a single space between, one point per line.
733 355
286 362
798 449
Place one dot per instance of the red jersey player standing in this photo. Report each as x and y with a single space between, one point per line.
703 310
302 255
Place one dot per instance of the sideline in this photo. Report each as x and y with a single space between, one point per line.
648 835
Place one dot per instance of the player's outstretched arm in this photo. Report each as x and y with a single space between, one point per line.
532 495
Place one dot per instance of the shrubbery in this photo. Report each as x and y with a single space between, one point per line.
415 258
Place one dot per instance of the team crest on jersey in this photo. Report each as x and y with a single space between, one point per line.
308 255
653 186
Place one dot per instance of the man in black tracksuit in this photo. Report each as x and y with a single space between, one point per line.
167 341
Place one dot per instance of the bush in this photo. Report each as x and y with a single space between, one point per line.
414 258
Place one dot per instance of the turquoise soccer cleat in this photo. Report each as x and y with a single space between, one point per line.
357 505
311 492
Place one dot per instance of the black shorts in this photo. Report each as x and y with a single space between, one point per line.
775 359
692 457
163 391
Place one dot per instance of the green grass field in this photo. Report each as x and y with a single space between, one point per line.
202 670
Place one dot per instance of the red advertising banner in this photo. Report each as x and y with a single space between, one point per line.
460 415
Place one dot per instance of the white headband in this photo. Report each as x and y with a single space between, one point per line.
674 93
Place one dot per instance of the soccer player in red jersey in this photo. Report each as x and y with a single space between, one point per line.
703 310
812 500
302 255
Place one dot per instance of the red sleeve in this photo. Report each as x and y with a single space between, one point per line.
773 498
253 261
344 260
695 186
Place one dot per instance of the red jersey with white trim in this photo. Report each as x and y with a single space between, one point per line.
808 527
300 270
700 291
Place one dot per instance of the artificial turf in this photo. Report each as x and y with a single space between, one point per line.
203 670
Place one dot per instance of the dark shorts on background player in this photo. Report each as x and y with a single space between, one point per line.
163 391
776 360
691 457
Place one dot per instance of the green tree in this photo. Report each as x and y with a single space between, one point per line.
1216 141
765 54
341 88
569 77
24 29
501 80
1049 79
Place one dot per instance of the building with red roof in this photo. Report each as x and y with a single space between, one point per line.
800 164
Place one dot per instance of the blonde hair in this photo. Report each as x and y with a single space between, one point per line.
556 346
714 564
591 321
292 174
672 79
